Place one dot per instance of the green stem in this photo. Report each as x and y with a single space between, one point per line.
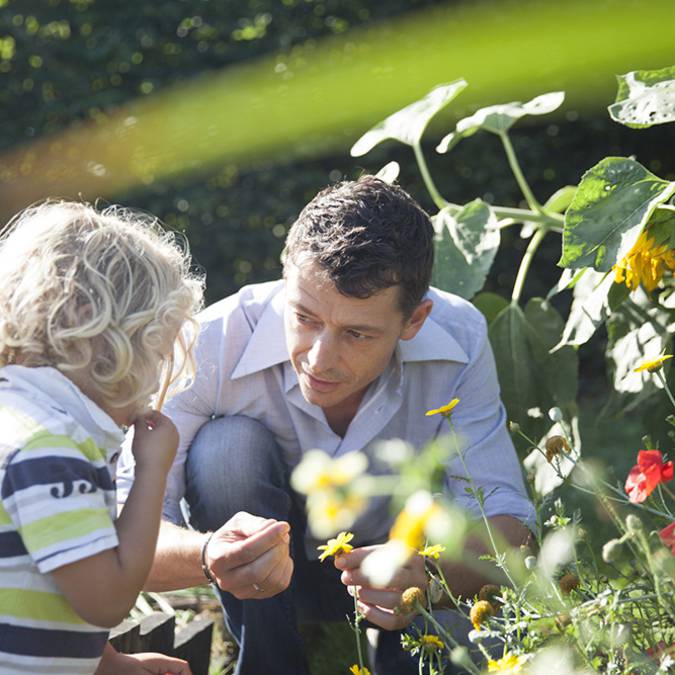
666 207
526 262
517 172
661 377
555 220
428 180
357 630
486 522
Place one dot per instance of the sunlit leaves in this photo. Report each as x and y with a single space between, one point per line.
498 119
637 331
466 244
532 380
408 125
389 172
613 203
590 307
645 98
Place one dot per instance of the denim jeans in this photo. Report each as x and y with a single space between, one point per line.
234 464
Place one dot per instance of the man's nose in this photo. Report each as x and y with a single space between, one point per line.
323 353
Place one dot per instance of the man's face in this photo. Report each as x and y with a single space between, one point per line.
338 344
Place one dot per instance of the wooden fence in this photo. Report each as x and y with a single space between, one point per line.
157 632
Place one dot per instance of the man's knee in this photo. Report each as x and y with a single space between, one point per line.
229 446
232 465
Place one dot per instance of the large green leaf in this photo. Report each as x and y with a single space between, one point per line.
490 304
638 330
408 125
590 308
520 386
500 118
612 205
532 379
645 98
466 244
558 369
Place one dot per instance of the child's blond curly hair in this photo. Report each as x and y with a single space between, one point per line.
99 292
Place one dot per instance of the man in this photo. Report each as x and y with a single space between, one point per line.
350 347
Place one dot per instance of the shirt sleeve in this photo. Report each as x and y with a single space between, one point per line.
488 452
59 502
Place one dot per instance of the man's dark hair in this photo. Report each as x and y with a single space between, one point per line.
366 235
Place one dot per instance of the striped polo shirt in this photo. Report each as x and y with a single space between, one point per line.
58 454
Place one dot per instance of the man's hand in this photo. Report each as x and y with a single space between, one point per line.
115 663
250 557
379 605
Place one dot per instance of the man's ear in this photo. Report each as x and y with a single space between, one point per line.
417 319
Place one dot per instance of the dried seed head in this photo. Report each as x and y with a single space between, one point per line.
410 598
568 582
555 446
480 612
489 592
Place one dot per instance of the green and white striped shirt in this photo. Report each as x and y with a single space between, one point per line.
58 454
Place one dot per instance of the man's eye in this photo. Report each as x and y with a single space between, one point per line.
357 336
302 318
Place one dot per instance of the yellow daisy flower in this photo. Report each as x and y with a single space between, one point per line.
444 410
653 364
336 546
409 526
355 670
432 551
509 663
645 263
431 642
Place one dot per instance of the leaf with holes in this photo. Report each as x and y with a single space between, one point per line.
612 205
645 98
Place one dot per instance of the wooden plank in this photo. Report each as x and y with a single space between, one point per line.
125 637
157 633
193 643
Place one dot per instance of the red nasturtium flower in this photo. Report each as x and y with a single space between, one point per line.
667 535
647 474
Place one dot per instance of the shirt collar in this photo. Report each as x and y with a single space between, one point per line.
267 345
49 383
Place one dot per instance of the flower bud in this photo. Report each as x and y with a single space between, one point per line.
633 524
460 657
514 427
612 550
555 414
530 562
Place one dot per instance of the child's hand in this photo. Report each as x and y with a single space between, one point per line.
114 663
155 441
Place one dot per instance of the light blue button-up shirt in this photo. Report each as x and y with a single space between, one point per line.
243 368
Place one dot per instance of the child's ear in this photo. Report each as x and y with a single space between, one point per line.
417 319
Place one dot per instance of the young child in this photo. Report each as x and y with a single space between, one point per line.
92 310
